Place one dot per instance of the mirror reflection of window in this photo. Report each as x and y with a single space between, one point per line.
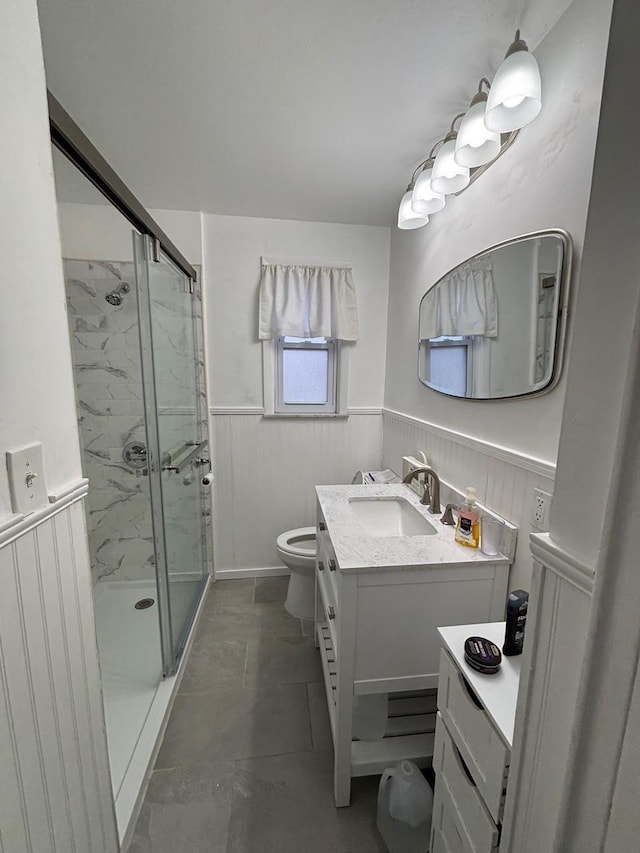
492 327
450 365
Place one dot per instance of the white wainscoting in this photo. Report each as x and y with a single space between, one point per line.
55 790
264 473
504 478
557 628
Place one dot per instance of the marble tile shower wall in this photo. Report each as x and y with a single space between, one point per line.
108 377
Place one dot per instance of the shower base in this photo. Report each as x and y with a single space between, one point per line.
136 697
129 650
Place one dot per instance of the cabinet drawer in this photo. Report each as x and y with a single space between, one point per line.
327 557
460 816
323 539
328 601
447 833
483 750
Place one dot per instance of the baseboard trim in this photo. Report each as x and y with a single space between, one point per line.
266 572
505 454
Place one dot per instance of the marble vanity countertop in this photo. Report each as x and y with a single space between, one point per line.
356 550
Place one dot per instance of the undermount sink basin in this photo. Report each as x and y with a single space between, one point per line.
390 517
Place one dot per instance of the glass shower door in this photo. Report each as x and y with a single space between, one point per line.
173 380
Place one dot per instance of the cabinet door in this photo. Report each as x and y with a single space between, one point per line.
483 750
461 817
398 613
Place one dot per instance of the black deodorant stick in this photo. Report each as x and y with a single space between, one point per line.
517 603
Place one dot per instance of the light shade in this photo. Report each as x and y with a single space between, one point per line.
515 97
476 145
407 217
448 176
424 199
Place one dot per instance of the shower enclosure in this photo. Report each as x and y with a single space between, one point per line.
139 370
136 342
135 324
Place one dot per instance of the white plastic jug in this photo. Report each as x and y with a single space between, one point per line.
405 805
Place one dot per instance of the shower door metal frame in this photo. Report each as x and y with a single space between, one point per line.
74 144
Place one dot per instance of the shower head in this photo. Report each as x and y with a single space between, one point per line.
114 297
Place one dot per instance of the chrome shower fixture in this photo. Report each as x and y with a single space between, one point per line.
114 297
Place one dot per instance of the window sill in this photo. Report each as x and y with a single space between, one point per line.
301 415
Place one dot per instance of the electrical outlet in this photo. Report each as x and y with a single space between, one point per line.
540 509
417 485
409 464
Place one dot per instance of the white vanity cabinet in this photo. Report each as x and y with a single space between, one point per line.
472 754
379 601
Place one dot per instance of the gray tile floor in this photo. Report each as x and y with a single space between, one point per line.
246 764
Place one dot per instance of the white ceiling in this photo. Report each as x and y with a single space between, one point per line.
294 109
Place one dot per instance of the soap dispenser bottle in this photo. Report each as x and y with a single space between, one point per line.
468 525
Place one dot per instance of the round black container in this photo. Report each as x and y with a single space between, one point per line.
482 655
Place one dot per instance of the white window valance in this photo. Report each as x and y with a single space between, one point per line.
463 303
303 301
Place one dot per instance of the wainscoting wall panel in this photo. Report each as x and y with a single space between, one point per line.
55 790
557 628
504 478
264 473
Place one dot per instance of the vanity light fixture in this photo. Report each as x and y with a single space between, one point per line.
515 94
476 145
488 128
407 216
425 199
448 175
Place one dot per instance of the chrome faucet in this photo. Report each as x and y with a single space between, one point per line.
429 496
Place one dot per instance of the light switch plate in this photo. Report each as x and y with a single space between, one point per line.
26 479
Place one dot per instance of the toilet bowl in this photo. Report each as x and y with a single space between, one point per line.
297 550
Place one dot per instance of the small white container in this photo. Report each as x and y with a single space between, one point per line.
491 535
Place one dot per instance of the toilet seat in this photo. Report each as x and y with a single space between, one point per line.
301 542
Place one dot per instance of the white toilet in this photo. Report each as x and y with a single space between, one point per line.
297 550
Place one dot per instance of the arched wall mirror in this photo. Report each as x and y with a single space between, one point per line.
493 327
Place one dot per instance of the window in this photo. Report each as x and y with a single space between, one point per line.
305 376
449 364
